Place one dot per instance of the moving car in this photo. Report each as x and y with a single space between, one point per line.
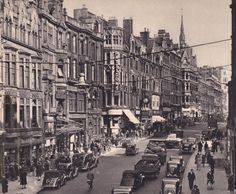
158 150
188 145
126 141
171 186
178 159
172 141
54 179
131 149
71 171
85 161
149 165
132 179
173 169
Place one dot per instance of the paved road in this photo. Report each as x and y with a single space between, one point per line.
110 169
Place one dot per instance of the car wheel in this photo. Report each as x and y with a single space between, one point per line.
58 185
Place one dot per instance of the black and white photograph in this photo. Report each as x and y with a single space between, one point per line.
117 96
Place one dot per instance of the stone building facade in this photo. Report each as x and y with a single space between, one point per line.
21 74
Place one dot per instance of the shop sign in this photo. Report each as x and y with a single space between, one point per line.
60 95
166 109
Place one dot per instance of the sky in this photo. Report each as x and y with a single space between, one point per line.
204 21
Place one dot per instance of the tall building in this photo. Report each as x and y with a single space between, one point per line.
190 77
21 74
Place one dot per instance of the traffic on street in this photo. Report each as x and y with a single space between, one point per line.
108 174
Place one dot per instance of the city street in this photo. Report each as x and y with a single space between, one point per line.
110 169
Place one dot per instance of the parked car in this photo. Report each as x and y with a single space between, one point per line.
85 161
171 186
71 171
126 141
54 179
131 149
149 165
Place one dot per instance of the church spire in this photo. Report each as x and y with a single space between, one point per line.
182 35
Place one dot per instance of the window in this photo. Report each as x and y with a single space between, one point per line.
34 79
34 114
27 74
186 75
187 99
28 113
50 34
22 113
39 79
7 112
93 73
81 47
16 32
60 71
80 103
21 73
29 42
7 69
39 113
73 44
45 32
108 58
116 100
115 39
74 69
59 40
109 98
72 102
108 39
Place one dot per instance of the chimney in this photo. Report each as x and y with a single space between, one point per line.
144 36
113 22
127 28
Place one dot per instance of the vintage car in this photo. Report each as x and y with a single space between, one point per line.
122 190
180 159
131 149
132 179
54 179
71 171
188 145
126 141
158 150
171 186
149 165
157 142
84 161
179 133
173 169
172 141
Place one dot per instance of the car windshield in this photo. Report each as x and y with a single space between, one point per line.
51 174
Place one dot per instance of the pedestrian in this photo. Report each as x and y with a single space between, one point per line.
200 146
206 147
231 184
210 179
221 146
46 164
191 179
23 178
39 171
208 155
4 184
203 160
212 164
213 147
195 190
199 162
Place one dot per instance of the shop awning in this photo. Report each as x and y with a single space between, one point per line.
157 118
131 116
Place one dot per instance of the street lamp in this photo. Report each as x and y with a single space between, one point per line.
84 86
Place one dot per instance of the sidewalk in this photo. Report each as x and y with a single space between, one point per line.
221 183
34 185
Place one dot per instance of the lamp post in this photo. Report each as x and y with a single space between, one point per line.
84 86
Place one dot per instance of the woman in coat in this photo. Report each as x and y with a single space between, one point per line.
199 162
23 178
4 185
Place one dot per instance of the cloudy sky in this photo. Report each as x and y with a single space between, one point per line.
204 21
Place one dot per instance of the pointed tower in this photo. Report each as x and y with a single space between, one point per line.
182 35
